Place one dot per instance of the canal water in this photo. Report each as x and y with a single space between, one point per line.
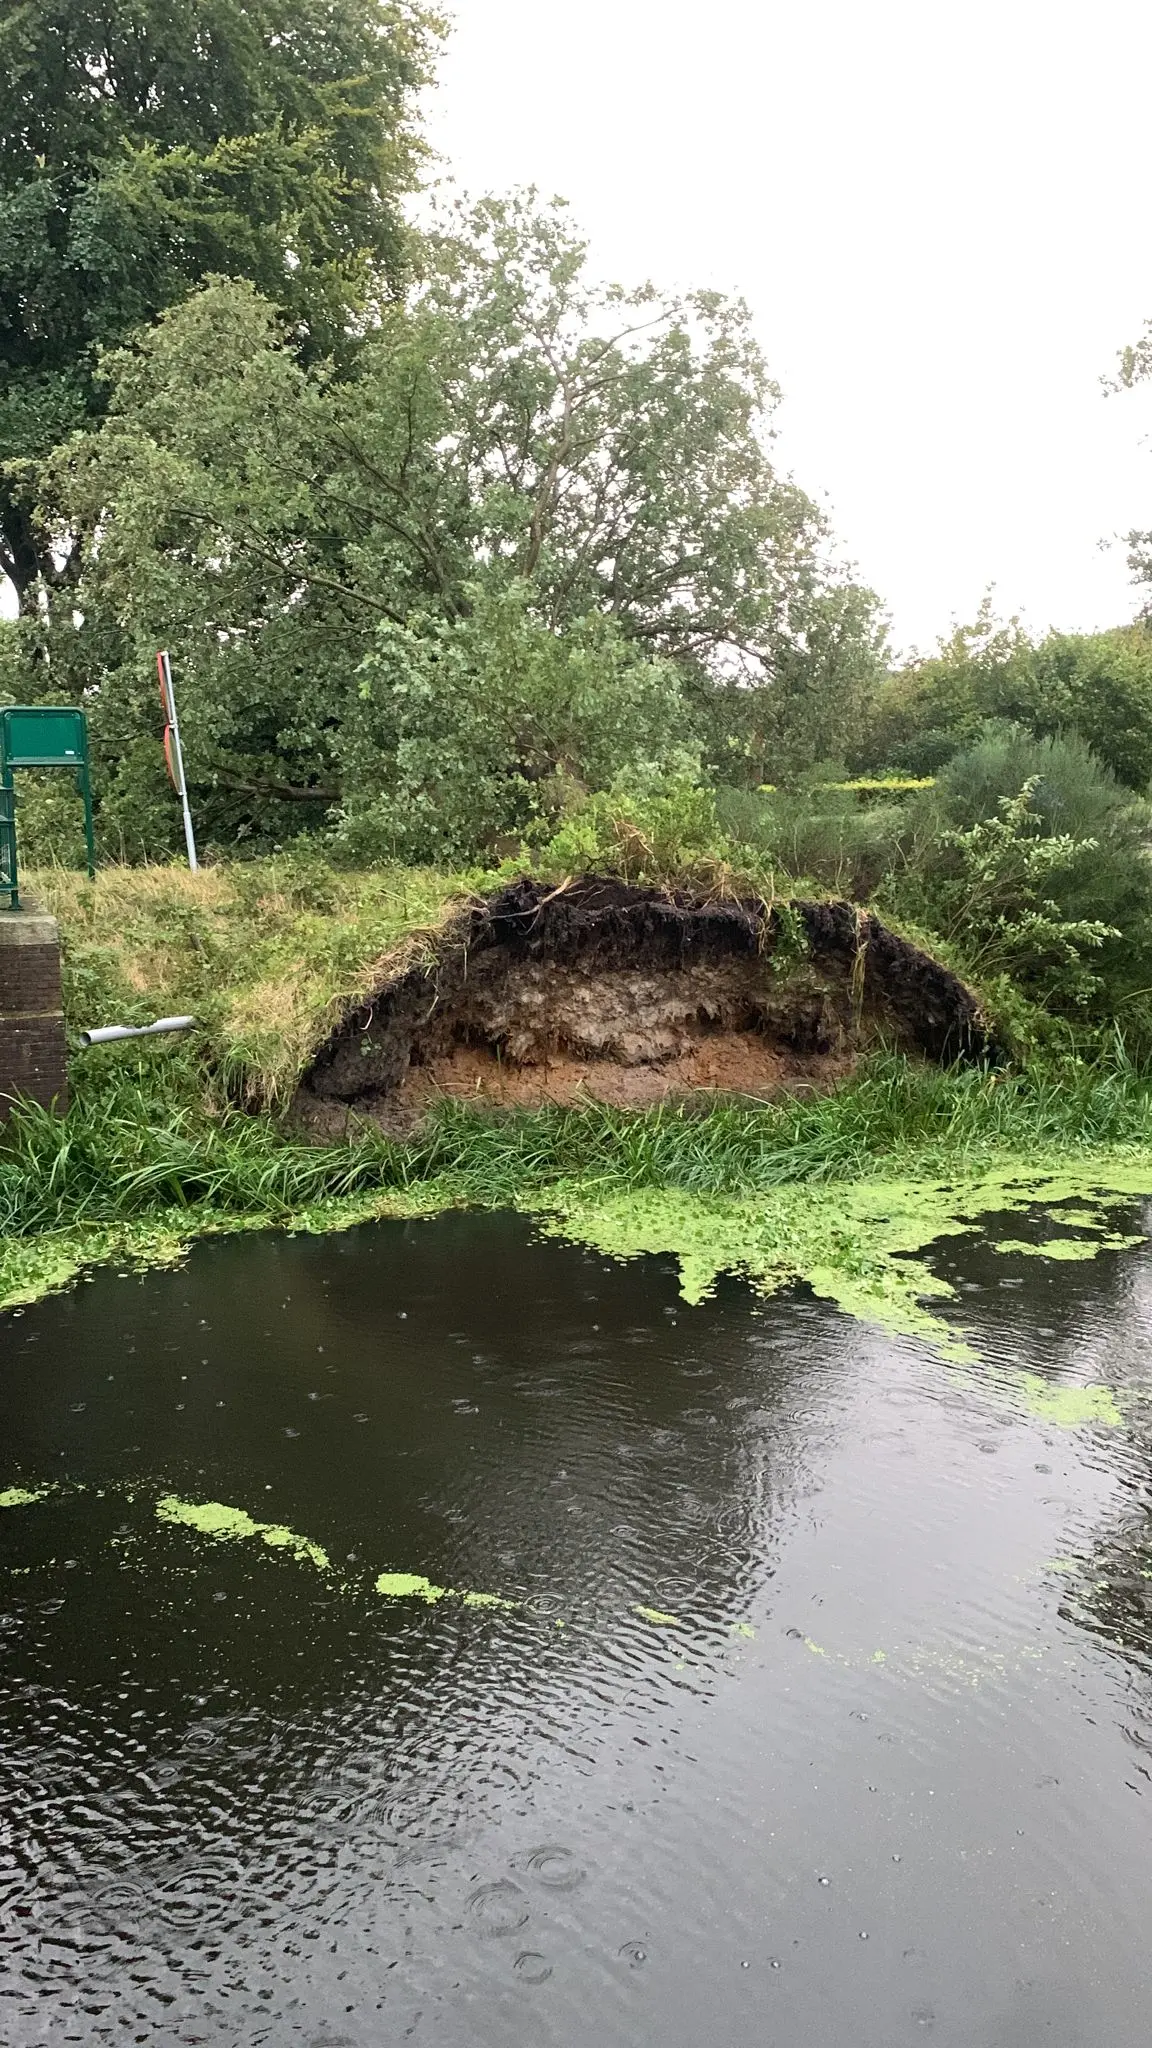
819 1714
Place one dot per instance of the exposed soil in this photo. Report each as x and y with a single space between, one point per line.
631 996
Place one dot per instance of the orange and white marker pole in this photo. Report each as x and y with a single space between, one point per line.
172 752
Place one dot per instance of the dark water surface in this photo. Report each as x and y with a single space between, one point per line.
887 1780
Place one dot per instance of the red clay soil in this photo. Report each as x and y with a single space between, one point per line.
725 1063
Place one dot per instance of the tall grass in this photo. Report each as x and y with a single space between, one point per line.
118 1157
139 1144
894 1117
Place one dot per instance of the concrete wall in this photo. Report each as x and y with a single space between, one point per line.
33 1055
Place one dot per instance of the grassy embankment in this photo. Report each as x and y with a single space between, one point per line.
171 1138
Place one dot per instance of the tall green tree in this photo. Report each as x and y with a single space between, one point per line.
507 429
618 446
147 143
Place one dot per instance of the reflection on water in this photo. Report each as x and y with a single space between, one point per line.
822 1715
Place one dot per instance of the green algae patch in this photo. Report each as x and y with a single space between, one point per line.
413 1586
852 1242
657 1618
841 1240
35 1267
32 1267
222 1523
213 1518
409 1586
1067 1248
1068 1407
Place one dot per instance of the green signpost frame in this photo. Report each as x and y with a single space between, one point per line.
40 736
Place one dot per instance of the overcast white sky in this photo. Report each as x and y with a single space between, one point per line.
939 215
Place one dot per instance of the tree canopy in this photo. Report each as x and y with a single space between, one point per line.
523 488
147 143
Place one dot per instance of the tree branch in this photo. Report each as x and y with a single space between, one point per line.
547 491
289 792
305 574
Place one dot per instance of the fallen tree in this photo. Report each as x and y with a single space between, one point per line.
631 995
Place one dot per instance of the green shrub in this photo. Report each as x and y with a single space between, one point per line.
819 832
1100 686
1074 792
1094 686
992 898
664 832
480 730
1094 869
926 712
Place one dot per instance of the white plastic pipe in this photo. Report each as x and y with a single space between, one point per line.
103 1034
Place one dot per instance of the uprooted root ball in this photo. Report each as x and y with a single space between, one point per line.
633 995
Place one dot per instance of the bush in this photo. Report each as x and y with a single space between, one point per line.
820 832
928 711
483 729
1074 791
1100 686
992 899
1094 869
661 832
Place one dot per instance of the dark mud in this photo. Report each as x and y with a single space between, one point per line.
632 995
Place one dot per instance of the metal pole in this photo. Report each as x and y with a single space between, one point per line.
176 761
8 826
85 781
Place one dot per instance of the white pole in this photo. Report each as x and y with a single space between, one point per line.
164 664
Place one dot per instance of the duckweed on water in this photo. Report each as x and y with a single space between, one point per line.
216 1519
33 1267
220 1522
852 1242
409 1586
1068 1407
1069 1248
212 1518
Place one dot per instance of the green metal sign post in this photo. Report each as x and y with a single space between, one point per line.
40 736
